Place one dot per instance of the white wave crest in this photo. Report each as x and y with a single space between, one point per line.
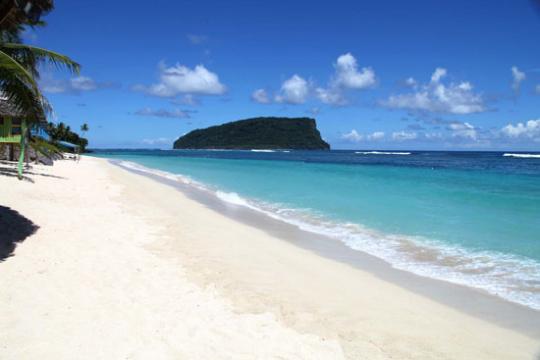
164 174
263 150
522 155
382 153
232 198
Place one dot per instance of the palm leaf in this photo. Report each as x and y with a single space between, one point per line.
37 54
9 63
24 98
44 147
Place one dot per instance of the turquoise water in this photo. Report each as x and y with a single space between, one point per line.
472 219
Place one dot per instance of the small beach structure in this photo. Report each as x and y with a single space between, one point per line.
76 149
14 130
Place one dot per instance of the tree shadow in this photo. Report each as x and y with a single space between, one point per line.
14 228
10 169
10 173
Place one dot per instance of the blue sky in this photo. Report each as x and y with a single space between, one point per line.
375 74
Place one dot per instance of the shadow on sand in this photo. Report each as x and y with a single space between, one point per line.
14 228
9 168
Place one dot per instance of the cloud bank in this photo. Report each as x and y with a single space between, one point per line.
162 113
74 85
438 97
347 76
523 130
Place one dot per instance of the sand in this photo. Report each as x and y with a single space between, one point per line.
124 267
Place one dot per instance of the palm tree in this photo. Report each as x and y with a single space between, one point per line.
15 12
19 62
84 129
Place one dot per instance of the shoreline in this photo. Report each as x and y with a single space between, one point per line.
468 299
480 254
288 303
123 265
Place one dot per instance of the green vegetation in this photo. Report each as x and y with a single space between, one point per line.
62 132
257 133
19 63
84 129
22 100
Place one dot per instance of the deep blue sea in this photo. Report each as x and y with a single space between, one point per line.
471 218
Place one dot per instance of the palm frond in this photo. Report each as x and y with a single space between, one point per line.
34 54
44 147
10 64
27 100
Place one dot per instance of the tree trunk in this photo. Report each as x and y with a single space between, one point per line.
27 155
11 152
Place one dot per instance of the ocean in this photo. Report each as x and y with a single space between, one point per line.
471 218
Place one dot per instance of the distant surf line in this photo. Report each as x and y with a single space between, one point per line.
525 156
382 153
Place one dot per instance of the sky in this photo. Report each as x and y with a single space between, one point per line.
419 74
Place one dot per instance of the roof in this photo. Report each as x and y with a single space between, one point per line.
68 144
9 109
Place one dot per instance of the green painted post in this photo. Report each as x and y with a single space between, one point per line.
21 155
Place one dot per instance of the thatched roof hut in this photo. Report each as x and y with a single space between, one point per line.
7 109
14 129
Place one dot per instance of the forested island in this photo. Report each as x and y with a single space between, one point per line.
257 133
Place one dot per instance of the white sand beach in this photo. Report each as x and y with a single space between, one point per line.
121 266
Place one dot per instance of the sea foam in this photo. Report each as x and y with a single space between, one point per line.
510 277
522 155
232 198
382 153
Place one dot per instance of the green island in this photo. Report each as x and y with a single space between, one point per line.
257 133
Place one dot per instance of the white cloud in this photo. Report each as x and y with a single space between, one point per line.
54 88
433 136
404 135
463 130
294 90
348 76
354 136
439 98
83 83
538 89
438 74
180 79
187 99
330 96
176 113
377 135
517 77
74 85
529 129
260 96
158 141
